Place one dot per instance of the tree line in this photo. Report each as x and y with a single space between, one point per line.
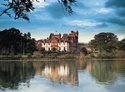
106 44
12 42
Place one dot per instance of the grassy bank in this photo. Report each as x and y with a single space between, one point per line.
70 56
49 56
118 54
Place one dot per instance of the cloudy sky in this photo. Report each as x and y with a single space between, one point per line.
90 17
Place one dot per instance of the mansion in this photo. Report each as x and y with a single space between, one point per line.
58 42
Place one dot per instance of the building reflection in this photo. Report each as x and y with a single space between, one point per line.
59 72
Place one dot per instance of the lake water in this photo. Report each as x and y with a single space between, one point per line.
62 76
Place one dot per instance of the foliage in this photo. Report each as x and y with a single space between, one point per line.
21 8
106 55
84 51
120 54
14 42
104 42
67 56
122 45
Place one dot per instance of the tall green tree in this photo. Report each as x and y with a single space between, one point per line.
122 45
12 41
104 42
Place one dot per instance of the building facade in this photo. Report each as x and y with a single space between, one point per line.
56 42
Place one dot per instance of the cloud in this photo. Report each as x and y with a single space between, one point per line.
103 25
121 12
112 20
121 31
89 16
42 3
84 23
116 20
118 5
103 11
56 10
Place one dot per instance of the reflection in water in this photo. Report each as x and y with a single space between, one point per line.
103 72
59 72
12 74
106 72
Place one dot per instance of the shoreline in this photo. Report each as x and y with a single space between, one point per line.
61 59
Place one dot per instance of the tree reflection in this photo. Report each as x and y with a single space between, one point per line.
103 72
13 73
120 68
107 71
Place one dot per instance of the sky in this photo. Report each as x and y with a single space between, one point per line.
89 17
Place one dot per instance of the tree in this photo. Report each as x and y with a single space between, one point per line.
122 45
104 42
13 42
21 8
83 50
29 35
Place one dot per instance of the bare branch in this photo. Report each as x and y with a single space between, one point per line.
21 8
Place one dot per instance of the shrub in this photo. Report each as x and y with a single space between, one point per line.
105 55
120 54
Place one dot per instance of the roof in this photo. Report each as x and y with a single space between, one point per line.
57 37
